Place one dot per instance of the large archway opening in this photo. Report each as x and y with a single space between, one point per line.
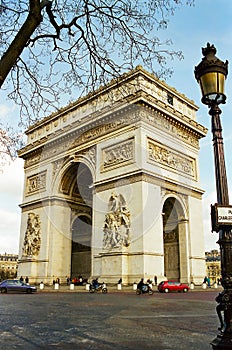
172 213
76 185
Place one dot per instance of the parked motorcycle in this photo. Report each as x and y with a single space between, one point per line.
101 287
144 289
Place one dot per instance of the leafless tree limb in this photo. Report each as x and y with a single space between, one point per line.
52 50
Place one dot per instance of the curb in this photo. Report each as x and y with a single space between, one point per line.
124 289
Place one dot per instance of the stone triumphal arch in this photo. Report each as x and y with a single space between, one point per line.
112 187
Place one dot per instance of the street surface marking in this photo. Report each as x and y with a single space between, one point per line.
167 316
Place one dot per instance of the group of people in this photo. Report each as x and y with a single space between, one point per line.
208 282
77 281
26 279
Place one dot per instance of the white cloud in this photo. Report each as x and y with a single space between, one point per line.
7 110
9 231
11 180
11 189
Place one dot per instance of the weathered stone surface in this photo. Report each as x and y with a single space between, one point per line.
138 143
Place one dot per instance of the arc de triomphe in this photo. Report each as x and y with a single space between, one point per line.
112 187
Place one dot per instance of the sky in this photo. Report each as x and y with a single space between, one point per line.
190 29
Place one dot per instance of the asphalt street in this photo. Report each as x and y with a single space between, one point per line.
116 320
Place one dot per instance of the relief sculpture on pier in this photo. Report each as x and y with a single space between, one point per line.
117 223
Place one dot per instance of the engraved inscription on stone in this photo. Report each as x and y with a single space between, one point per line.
165 156
118 155
36 183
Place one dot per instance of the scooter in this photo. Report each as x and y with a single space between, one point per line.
144 289
101 287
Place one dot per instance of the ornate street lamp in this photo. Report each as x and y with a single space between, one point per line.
211 74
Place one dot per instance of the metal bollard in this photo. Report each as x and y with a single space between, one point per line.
204 285
71 286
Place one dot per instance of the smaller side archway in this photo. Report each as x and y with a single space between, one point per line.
175 241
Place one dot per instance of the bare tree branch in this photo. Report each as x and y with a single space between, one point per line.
54 51
14 51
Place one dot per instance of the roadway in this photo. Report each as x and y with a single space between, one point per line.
116 320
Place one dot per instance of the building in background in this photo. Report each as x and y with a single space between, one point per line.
213 266
8 266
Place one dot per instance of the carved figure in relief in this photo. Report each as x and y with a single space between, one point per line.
36 182
118 154
168 158
117 223
32 239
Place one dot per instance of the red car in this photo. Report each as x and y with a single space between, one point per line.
172 286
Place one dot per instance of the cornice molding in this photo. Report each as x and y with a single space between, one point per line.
130 178
53 201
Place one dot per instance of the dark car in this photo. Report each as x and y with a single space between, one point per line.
16 286
172 286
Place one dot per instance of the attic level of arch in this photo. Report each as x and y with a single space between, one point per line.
85 136
124 88
92 120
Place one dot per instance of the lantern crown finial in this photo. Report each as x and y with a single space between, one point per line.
211 73
209 49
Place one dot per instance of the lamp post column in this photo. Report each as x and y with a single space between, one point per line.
211 73
219 160
224 340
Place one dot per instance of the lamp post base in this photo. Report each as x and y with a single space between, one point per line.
222 342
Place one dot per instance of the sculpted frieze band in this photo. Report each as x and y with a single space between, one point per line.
159 120
36 183
116 121
118 154
162 155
